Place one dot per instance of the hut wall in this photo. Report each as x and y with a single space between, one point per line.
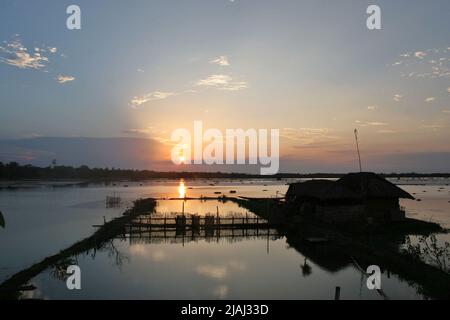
337 214
385 209
397 215
382 210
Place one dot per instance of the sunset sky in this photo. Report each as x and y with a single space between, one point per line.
140 69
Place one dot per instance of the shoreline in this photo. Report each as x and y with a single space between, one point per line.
11 288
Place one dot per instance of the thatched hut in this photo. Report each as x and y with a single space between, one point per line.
354 197
380 197
319 191
324 200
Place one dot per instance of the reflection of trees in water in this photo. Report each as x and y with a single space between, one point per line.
113 252
59 270
428 249
118 257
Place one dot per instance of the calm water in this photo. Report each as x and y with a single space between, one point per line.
42 221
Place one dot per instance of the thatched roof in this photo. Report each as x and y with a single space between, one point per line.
350 186
320 189
371 185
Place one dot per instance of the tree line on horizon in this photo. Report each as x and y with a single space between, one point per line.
15 171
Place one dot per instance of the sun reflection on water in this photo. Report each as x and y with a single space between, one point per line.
181 189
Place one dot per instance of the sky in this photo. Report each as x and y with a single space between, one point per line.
137 70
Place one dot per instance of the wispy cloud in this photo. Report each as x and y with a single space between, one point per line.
304 137
370 123
430 63
16 54
372 108
156 95
218 81
221 61
147 130
156 133
420 54
398 97
387 131
222 82
430 99
64 78
433 126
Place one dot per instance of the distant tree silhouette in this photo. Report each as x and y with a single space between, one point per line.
14 171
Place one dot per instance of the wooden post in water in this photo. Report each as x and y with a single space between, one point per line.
337 293
195 224
217 215
246 223
165 224
232 227
257 225
218 223
150 231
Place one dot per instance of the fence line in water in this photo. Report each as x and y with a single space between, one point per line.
196 221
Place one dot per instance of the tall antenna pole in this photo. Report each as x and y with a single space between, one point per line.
357 148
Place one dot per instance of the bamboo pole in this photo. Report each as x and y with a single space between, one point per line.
357 148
